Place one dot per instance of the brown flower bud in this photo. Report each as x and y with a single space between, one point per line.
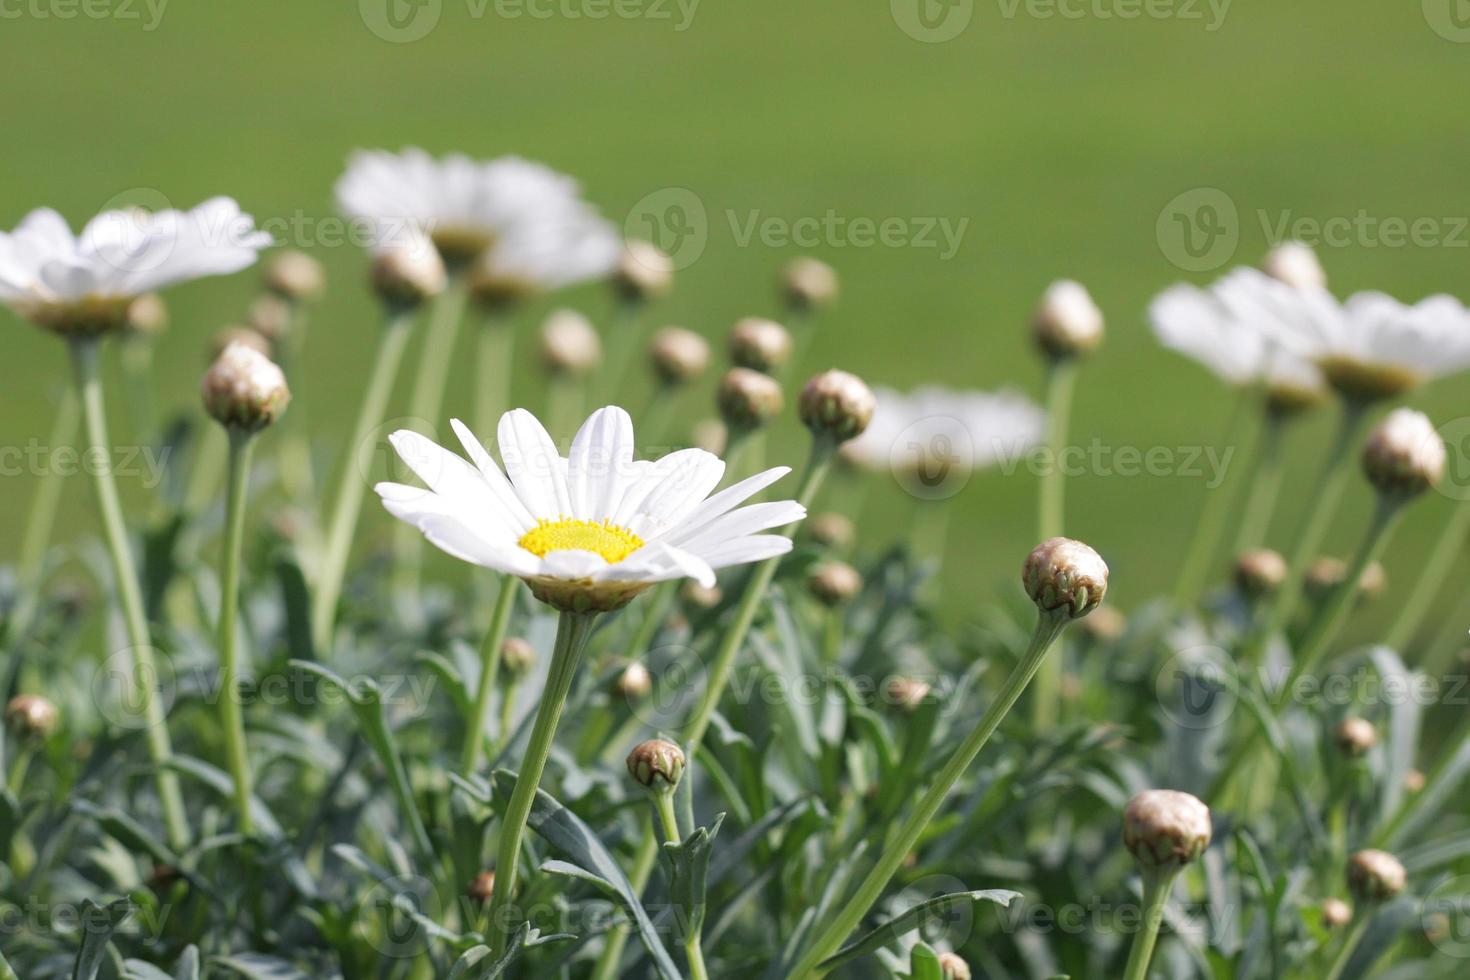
834 583
244 389
906 693
408 272
1068 323
1413 780
699 596
569 344
1335 913
809 284
1296 265
951 967
1375 876
1327 573
657 765
643 272
831 530
237 335
1105 625
1404 455
481 888
679 356
1259 573
634 682
30 716
710 435
147 316
837 404
761 345
1355 737
294 276
748 399
1065 577
518 656
1166 829
270 316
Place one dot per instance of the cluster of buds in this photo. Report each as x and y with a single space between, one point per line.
1296 265
1404 455
244 389
294 276
1375 876
679 356
30 717
408 271
518 656
1065 577
1355 737
569 344
761 345
1068 324
834 583
644 271
809 284
1259 573
657 765
748 400
837 405
1165 829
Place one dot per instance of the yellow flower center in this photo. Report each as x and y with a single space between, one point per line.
603 538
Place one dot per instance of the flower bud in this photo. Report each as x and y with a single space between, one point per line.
1065 577
147 316
1259 573
906 693
748 399
710 435
657 765
837 404
294 276
761 345
269 316
834 583
518 656
408 271
809 284
643 272
1105 625
634 683
481 888
1335 913
699 596
1404 455
1413 780
1296 265
1327 573
30 716
244 389
951 967
569 344
1166 829
1355 737
230 336
678 355
831 530
1068 324
1375 876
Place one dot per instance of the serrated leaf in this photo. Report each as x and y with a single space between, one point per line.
912 919
688 863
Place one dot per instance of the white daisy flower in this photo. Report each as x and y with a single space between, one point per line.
971 429
84 284
591 530
530 217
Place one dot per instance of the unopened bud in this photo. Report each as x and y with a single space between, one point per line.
834 583
837 404
634 682
1068 323
244 336
30 716
481 888
761 345
569 344
518 656
700 596
710 435
1404 455
657 765
1327 573
1375 876
906 693
1105 625
147 316
408 271
748 399
1296 265
244 389
1259 573
1166 829
1355 737
644 271
951 967
1413 780
1335 913
831 530
678 355
294 275
809 284
1065 577
270 316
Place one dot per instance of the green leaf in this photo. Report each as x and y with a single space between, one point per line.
188 966
98 925
688 863
6 973
911 919
138 970
924 963
259 966
567 834
126 831
296 597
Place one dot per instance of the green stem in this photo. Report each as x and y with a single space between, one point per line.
1061 380
565 399
474 737
19 766
348 504
1388 834
507 710
1432 576
571 639
721 665
209 458
231 710
294 441
35 543
693 949
84 351
1211 525
137 363
494 349
1048 628
1349 943
623 341
1260 501
1156 888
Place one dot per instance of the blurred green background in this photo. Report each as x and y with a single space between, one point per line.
1060 140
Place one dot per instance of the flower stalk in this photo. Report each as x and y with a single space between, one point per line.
1061 381
1157 885
1210 527
236 754
1434 572
41 520
474 738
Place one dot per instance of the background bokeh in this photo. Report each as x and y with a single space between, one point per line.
1058 134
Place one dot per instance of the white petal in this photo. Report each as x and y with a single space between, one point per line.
659 562
741 551
683 489
449 533
493 477
727 499
746 520
536 469
571 564
459 483
599 462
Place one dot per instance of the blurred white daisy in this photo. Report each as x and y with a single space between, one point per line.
591 530
84 284
530 217
969 430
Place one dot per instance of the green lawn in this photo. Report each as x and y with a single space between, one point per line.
1057 140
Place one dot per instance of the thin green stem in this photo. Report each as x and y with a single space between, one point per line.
348 503
494 350
1265 486
1211 525
623 341
36 540
137 363
1156 888
1432 576
1387 835
571 640
663 804
85 366
1349 943
231 710
474 736
1048 628
507 710
1061 381
566 397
